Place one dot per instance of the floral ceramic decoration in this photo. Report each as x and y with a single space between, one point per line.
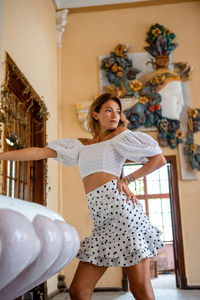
148 111
191 149
119 71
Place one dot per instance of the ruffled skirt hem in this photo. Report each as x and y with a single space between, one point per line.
124 261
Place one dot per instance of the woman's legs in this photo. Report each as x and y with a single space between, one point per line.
139 278
85 279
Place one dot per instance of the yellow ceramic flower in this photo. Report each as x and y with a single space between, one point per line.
143 100
193 113
120 68
120 50
156 31
159 79
136 85
179 134
192 148
119 74
114 68
154 81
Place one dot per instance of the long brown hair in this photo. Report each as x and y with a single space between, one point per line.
96 105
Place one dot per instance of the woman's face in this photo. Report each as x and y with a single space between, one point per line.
109 115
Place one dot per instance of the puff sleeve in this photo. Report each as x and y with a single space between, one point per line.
136 146
67 151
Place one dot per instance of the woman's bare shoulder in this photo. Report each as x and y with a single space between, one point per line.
87 141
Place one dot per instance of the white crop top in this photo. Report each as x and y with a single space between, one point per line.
107 156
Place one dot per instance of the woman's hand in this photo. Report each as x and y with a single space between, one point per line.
123 187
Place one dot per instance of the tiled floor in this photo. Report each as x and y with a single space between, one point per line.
164 288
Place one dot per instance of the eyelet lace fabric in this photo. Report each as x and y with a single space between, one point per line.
107 156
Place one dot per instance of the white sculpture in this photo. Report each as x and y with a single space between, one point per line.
35 244
172 100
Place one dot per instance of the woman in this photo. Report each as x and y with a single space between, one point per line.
122 234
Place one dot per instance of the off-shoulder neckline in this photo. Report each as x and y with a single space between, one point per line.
119 134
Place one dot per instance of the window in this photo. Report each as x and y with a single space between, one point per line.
153 193
18 182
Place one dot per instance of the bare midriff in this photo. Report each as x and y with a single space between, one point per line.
93 181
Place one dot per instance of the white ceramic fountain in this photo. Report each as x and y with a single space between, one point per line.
35 244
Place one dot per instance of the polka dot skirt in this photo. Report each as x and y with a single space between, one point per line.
122 234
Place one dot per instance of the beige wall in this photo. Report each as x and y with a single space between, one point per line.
29 36
94 33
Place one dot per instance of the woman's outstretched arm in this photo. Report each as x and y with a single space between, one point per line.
32 153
